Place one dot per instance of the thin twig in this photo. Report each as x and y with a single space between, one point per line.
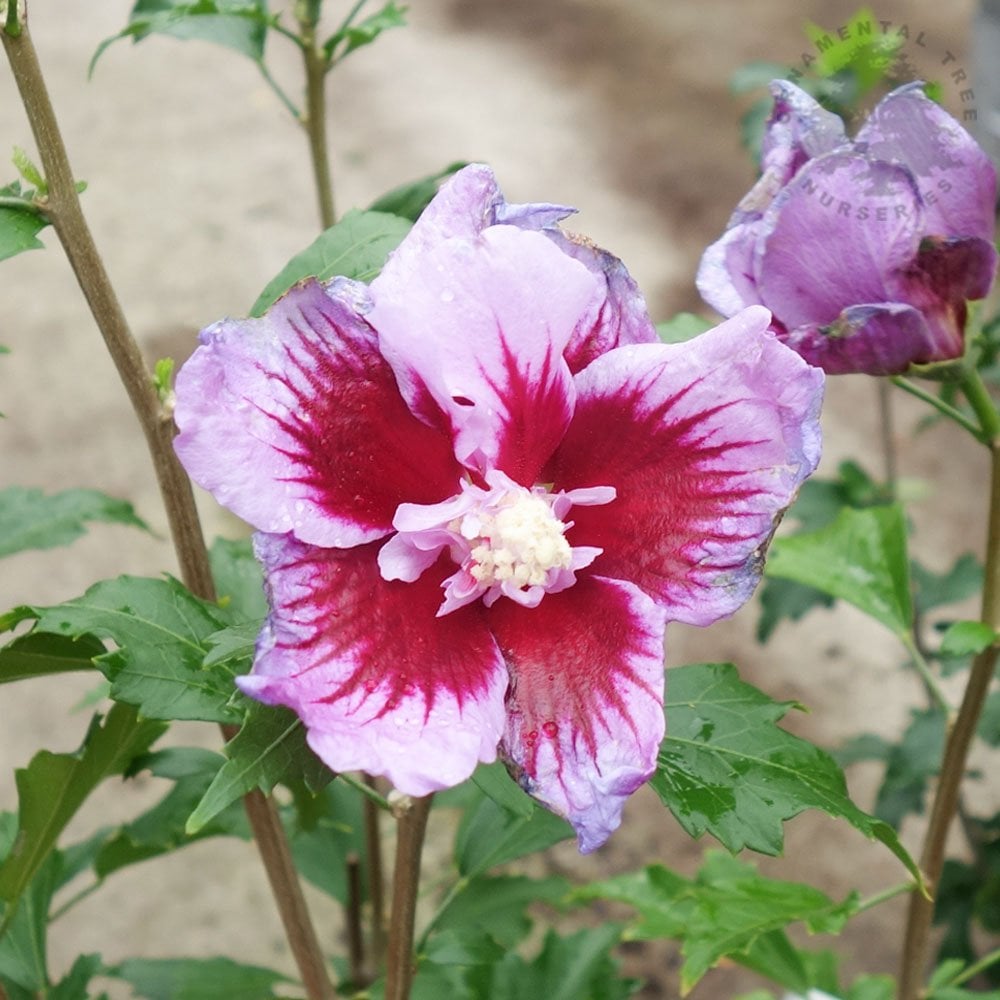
405 882
64 211
314 121
953 764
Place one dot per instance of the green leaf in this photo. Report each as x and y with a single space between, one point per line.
197 979
490 835
39 654
54 786
270 748
725 768
355 36
494 781
967 638
31 520
27 169
161 629
233 646
786 599
239 580
73 986
321 847
931 590
860 558
720 914
356 247
21 220
161 829
409 200
498 904
240 25
23 931
576 967
19 229
684 326
909 765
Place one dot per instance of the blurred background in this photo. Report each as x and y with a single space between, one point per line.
200 190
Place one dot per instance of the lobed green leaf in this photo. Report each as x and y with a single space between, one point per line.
270 748
197 979
727 769
31 520
409 200
352 36
53 787
240 25
39 654
160 629
727 911
860 558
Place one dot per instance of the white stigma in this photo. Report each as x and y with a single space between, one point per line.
520 542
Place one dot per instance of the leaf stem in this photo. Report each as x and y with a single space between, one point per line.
973 970
66 215
958 741
406 880
365 789
975 391
278 90
934 691
885 895
355 938
21 205
951 412
314 121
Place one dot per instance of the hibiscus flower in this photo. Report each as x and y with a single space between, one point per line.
865 250
481 489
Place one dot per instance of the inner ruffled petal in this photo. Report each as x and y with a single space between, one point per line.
475 330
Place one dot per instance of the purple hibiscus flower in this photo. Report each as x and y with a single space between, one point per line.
865 251
482 488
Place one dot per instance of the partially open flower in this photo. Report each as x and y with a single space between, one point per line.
865 250
482 488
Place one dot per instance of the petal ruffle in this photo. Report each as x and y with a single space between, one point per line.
832 237
585 706
294 422
798 129
706 443
957 180
380 683
877 339
475 331
623 317
725 277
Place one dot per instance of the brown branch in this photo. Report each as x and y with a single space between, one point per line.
64 211
405 882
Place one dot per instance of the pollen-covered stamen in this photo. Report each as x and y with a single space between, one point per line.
507 540
520 543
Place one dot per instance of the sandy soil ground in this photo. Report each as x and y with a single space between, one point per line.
200 191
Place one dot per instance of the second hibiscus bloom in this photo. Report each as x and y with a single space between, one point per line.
482 488
865 250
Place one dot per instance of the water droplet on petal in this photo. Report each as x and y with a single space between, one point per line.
447 295
530 739
550 729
